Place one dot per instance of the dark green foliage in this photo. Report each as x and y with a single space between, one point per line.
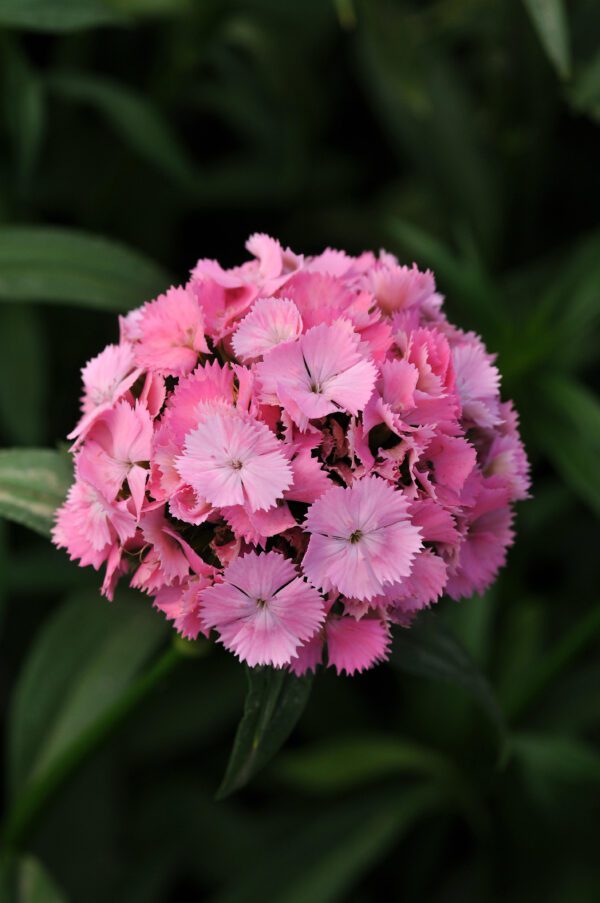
138 135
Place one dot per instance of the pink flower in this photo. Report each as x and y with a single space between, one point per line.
88 524
321 408
106 378
424 586
181 604
478 382
398 287
118 449
323 372
270 322
171 333
271 269
361 539
506 458
354 646
487 534
230 459
262 611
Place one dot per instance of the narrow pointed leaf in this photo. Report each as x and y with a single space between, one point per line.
135 119
428 649
34 884
24 109
66 685
87 668
568 431
58 15
33 483
40 263
550 22
558 758
323 861
343 763
274 702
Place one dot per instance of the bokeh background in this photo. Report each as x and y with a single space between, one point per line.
462 134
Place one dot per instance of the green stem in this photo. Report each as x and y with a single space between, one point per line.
27 808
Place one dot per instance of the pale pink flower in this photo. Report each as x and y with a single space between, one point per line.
353 646
262 611
209 388
310 480
106 378
487 533
186 505
323 372
223 299
270 322
257 526
421 588
129 325
361 539
398 287
230 459
118 449
506 458
180 603
321 299
478 384
88 524
239 286
169 558
444 466
171 333
308 656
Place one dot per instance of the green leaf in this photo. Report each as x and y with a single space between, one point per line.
425 105
33 483
469 287
274 702
22 352
429 650
568 430
558 758
568 314
25 880
549 666
550 22
58 15
323 861
66 686
585 90
39 263
34 884
344 763
85 668
133 117
24 109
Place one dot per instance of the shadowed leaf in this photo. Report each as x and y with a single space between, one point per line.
33 483
274 702
40 263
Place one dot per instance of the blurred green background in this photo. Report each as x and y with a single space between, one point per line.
463 134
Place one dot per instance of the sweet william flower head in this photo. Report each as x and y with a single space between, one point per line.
295 456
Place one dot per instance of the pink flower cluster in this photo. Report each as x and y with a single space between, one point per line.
295 453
